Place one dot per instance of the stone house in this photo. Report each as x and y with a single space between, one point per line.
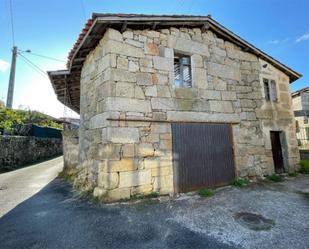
300 101
174 103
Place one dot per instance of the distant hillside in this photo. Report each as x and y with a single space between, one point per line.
10 117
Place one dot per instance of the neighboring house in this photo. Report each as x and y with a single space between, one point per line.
174 103
300 100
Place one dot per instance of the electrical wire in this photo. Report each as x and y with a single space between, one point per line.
12 22
37 68
40 55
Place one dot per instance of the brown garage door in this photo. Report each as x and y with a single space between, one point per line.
202 155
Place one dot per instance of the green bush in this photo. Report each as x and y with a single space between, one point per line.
304 166
275 178
239 182
205 192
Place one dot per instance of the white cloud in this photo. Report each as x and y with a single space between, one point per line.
274 41
304 37
4 65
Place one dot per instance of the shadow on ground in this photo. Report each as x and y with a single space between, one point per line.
54 218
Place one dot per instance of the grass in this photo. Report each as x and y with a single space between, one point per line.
275 178
152 195
294 174
304 166
205 192
239 182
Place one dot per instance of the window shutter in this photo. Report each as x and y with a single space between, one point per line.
177 72
266 89
273 91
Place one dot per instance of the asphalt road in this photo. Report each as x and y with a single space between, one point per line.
55 217
17 186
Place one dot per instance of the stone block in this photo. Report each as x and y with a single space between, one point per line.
163 184
223 71
99 121
133 66
128 104
162 63
197 61
128 150
145 62
122 63
125 164
116 47
163 91
162 104
119 193
202 116
108 180
99 192
122 75
188 46
161 171
228 95
134 178
209 94
199 78
221 106
151 91
143 189
122 135
145 149
144 79
113 35
127 34
151 49
124 89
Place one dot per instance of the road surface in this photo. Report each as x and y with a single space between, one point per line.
263 215
19 185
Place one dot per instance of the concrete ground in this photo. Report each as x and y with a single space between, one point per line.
272 215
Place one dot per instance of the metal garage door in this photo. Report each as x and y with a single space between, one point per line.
202 155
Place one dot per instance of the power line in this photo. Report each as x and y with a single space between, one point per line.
40 55
12 22
35 69
38 69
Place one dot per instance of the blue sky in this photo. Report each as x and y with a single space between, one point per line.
280 28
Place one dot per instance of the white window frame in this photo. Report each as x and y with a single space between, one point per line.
182 83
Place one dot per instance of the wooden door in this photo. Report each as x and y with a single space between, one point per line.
277 151
202 155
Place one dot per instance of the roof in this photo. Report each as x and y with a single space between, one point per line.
66 83
300 91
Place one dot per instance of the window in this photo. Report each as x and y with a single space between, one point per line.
305 120
182 70
270 90
266 89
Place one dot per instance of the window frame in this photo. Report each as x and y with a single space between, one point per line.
270 90
182 64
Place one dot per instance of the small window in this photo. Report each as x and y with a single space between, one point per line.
182 70
305 120
297 126
270 90
266 89
273 91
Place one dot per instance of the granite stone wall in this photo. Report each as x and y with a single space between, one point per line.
128 101
70 150
18 151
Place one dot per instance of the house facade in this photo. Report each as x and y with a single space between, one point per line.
174 103
300 100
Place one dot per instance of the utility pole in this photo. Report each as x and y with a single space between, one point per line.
9 100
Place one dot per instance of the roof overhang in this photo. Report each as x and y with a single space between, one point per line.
66 83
